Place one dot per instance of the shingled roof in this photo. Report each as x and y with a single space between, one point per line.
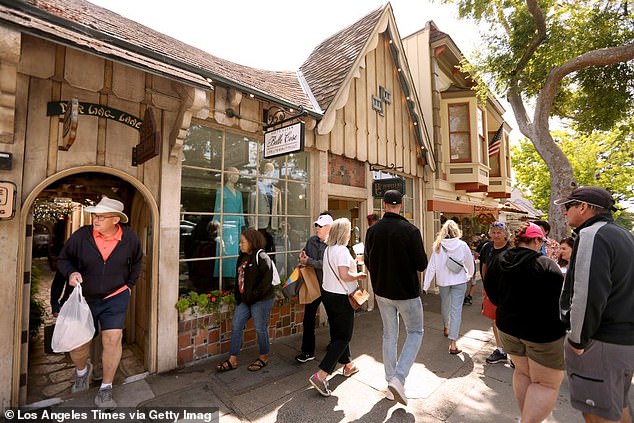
331 61
105 32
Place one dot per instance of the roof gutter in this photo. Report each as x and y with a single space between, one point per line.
100 36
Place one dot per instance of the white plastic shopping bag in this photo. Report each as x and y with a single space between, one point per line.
74 326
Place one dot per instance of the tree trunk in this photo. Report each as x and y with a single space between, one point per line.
561 180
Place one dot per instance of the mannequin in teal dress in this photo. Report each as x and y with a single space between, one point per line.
232 225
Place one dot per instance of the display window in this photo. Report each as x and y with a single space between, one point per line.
226 187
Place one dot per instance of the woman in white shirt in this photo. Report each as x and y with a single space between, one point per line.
340 279
452 284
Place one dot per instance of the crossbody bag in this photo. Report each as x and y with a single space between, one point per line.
358 296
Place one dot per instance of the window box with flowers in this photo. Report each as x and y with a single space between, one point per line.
218 304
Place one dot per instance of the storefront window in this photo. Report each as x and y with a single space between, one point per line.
459 133
408 199
227 186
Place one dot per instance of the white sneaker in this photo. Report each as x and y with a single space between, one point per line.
398 390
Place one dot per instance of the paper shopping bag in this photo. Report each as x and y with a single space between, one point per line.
309 291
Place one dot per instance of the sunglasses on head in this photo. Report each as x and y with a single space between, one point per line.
498 225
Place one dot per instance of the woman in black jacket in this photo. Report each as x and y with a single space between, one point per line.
525 287
254 297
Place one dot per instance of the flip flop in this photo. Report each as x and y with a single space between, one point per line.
454 352
225 366
257 365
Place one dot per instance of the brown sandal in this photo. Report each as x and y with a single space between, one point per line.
257 365
225 366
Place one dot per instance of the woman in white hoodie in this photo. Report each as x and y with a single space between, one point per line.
452 264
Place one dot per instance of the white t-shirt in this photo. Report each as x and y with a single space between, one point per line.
335 257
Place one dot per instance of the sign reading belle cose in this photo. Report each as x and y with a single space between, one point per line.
286 140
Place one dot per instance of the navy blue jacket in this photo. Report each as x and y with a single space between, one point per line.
101 278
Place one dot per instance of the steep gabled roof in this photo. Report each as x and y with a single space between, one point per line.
87 26
331 61
333 64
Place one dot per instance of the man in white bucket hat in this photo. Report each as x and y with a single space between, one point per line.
105 258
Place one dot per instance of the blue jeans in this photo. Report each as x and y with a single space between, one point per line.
451 299
261 313
412 313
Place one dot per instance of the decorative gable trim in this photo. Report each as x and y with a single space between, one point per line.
386 23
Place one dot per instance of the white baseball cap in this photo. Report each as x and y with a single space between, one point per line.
323 220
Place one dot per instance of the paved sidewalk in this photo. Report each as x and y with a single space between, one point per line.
441 387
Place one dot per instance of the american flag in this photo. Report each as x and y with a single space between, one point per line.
494 144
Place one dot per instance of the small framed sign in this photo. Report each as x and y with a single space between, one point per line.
7 200
285 140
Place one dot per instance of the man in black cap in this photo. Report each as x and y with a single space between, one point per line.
598 303
394 255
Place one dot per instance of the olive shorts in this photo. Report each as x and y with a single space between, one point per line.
548 354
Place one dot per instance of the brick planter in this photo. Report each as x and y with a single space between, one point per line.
202 336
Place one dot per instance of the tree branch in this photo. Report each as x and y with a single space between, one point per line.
536 41
599 57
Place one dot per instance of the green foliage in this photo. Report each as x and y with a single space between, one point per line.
593 97
206 303
604 159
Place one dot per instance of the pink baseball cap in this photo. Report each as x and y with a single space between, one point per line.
533 231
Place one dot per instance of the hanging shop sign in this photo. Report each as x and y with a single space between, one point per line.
379 186
149 140
71 119
57 108
7 200
285 140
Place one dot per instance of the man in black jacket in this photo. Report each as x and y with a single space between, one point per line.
394 255
597 302
105 258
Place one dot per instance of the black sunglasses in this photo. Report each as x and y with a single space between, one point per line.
317 225
571 204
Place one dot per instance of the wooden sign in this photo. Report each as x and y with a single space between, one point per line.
56 108
71 118
149 140
379 186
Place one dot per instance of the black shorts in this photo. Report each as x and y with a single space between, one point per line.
109 313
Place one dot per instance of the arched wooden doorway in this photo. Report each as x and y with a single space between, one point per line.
77 185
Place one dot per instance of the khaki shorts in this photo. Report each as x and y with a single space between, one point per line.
600 378
548 354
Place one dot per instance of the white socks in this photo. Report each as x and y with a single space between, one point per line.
105 386
82 372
